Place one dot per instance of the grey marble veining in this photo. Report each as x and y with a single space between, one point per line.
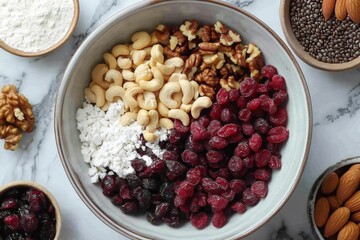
336 101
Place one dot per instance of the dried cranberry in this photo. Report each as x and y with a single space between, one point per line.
274 162
214 156
244 115
253 104
219 219
259 188
229 195
279 118
233 95
218 142
37 200
176 168
242 149
179 127
217 202
210 186
255 142
29 221
8 204
264 87
262 158
249 161
247 129
129 207
171 155
108 185
235 164
125 192
236 138
228 130
277 134
249 198
204 121
215 111
179 201
261 126
241 102
12 221
116 200
248 87
278 82
226 116
213 127
162 209
222 96
199 219
267 104
237 185
280 97
238 207
198 131
186 190
195 145
190 157
175 137
262 174
138 164
193 176
268 71
158 166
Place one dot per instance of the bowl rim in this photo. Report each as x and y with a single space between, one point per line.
30 184
74 180
298 49
316 186
57 45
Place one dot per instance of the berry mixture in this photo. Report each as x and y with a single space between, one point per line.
26 214
223 117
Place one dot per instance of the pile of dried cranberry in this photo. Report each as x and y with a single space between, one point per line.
26 214
220 164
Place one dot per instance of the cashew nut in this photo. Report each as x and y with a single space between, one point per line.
163 110
147 100
187 90
157 54
129 97
186 107
98 73
155 84
106 106
124 63
143 117
166 70
110 60
166 93
174 62
89 95
196 89
100 95
142 72
120 50
138 56
114 91
130 85
181 115
140 40
149 136
154 121
199 104
179 70
128 75
115 76
175 77
154 39
177 97
128 118
166 123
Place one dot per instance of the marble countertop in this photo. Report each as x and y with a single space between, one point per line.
335 99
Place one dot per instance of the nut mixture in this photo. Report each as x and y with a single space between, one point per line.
330 41
225 112
337 208
16 116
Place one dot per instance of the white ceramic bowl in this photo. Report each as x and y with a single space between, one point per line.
146 16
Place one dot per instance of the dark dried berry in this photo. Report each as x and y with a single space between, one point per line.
12 221
162 209
151 218
133 181
8 204
261 126
15 236
151 184
47 231
138 164
108 185
29 222
129 207
116 200
167 191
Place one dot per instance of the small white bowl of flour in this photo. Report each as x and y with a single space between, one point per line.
34 28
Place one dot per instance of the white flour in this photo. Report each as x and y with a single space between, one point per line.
34 25
107 144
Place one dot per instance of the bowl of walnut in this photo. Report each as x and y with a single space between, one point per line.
175 121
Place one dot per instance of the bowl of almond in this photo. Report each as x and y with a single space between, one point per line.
334 202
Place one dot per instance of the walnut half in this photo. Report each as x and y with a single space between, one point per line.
16 115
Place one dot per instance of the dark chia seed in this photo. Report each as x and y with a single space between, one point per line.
331 41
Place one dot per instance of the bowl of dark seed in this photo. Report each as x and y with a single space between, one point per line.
331 44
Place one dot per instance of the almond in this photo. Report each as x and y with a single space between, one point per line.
334 204
349 232
348 184
328 8
330 183
355 166
355 217
336 221
340 9
321 212
353 9
353 203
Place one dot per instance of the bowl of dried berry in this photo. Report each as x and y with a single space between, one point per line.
28 211
324 34
175 121
334 202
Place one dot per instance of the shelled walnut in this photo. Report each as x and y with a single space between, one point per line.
16 116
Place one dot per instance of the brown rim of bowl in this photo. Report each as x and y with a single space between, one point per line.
17 184
316 186
298 49
74 180
20 53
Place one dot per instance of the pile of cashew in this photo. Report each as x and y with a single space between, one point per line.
153 89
